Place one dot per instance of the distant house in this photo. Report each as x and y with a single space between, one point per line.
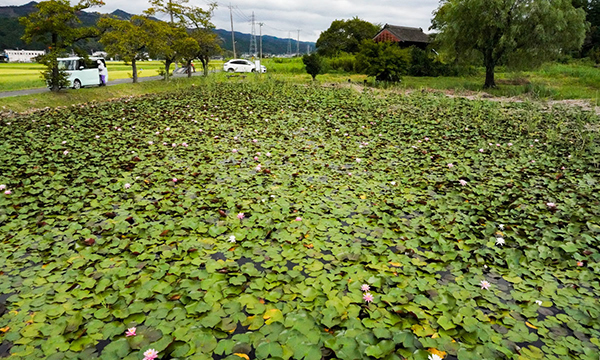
22 55
404 36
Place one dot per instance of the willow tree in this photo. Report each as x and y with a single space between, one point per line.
56 24
514 32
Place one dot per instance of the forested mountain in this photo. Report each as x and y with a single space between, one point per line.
11 32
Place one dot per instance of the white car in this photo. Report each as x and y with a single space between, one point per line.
241 66
82 73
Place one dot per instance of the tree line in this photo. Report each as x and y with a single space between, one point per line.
188 36
515 33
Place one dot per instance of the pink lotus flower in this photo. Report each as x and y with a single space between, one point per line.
450 165
150 142
301 129
256 158
509 144
484 284
426 139
551 205
130 332
174 180
497 144
184 144
173 145
234 151
298 218
2 187
127 186
562 168
64 142
349 174
258 167
200 130
168 129
462 182
65 152
357 160
240 216
7 192
119 129
254 141
235 138
536 140
480 150
268 154
368 297
365 287
258 153
150 354
580 263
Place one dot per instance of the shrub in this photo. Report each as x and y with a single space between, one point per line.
385 61
342 63
313 64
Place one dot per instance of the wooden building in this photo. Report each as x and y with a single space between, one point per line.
404 36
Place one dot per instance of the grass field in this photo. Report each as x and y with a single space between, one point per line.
14 76
258 219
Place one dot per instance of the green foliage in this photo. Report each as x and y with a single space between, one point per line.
53 76
343 62
161 257
345 36
128 39
512 32
384 60
56 23
595 55
313 64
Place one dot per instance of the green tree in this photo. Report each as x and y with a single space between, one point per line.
386 61
345 36
515 32
198 21
313 64
128 39
166 43
57 25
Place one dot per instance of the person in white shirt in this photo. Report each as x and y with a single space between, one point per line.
103 72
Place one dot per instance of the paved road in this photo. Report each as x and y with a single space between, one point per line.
6 94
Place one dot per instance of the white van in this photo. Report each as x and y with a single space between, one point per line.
81 72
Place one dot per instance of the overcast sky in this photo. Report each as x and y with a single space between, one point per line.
310 16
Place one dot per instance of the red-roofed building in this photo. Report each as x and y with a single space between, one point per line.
404 36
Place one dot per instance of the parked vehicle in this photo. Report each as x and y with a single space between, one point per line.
239 65
83 72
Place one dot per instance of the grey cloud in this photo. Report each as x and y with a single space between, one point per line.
312 16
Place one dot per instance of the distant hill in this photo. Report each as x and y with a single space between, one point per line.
11 32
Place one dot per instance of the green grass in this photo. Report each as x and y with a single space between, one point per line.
15 76
550 82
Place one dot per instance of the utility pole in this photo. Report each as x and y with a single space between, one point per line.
260 25
253 50
232 33
289 49
298 44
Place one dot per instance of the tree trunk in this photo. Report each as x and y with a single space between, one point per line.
490 82
55 87
189 68
55 73
204 62
134 69
167 67
490 65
